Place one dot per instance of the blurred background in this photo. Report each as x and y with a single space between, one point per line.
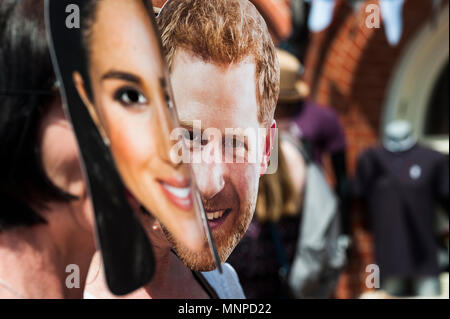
371 63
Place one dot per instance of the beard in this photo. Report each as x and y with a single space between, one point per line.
226 239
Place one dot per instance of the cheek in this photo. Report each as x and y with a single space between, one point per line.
127 145
130 137
245 178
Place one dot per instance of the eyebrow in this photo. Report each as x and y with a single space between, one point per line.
187 125
119 75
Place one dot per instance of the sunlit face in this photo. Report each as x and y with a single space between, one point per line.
220 97
129 106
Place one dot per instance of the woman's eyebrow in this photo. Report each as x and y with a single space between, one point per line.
113 74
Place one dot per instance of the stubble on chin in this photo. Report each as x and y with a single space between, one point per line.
225 243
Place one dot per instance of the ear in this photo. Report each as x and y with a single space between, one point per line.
269 144
79 84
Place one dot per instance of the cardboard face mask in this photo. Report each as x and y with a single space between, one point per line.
117 93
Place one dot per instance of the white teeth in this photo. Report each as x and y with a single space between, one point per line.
215 215
178 192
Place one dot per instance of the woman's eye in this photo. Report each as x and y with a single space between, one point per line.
128 97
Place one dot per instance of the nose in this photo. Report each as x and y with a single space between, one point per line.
210 179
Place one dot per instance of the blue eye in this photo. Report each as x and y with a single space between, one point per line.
130 97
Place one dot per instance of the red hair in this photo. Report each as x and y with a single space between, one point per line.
224 32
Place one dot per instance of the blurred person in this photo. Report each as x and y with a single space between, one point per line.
317 126
225 75
46 221
264 256
323 242
294 247
401 182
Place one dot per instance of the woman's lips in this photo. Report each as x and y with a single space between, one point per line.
181 197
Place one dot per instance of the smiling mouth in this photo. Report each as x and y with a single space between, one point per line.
179 196
216 218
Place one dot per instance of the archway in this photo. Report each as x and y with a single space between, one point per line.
416 80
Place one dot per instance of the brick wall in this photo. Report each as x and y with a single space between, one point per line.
348 67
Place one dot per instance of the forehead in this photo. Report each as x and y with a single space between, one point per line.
218 95
123 38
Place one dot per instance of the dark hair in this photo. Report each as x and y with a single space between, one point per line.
26 88
89 13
